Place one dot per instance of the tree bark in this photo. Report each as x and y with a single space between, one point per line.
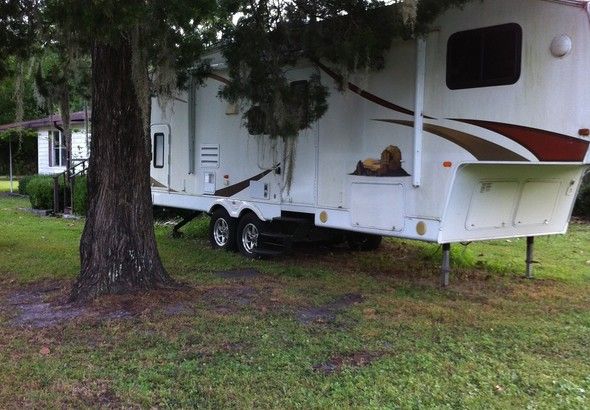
118 250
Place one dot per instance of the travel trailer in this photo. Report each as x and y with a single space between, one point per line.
480 130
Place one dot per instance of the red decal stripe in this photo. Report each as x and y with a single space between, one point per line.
545 145
481 149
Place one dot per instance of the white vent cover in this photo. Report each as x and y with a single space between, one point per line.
209 155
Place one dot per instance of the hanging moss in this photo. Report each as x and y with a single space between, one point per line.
350 35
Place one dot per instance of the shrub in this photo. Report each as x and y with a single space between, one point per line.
40 191
23 182
81 195
582 207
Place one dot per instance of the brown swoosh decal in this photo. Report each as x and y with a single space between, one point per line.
481 149
218 78
157 184
545 145
240 186
365 94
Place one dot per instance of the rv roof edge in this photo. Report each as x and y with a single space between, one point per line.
575 3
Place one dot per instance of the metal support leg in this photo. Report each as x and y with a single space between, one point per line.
175 231
446 265
530 248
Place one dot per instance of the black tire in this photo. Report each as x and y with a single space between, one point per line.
222 230
363 241
247 238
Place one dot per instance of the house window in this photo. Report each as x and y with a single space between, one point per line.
159 150
58 153
484 57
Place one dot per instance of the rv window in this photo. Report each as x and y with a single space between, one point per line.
301 102
484 57
159 150
256 121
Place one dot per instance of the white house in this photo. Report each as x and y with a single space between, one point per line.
51 157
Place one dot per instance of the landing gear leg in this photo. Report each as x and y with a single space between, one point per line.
175 231
446 265
530 248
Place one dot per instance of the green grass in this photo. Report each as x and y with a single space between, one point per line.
5 184
492 340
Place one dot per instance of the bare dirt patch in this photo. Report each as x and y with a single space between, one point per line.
45 304
327 313
351 360
227 300
238 274
37 307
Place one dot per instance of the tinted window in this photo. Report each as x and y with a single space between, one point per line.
159 150
297 105
484 57
300 103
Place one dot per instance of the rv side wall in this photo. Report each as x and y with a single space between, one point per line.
507 142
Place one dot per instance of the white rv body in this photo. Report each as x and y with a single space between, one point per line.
494 161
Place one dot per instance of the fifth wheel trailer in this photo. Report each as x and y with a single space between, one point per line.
477 131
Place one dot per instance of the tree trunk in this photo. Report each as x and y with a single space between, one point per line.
118 248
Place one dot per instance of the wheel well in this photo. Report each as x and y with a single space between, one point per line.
242 213
215 208
246 211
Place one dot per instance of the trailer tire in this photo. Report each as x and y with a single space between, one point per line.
222 230
363 241
249 229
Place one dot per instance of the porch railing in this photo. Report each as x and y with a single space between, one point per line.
65 204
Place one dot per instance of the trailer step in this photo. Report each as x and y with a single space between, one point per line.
293 219
276 235
268 252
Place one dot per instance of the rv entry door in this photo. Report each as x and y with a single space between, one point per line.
160 169
300 154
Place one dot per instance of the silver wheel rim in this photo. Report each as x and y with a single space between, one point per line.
250 237
221 232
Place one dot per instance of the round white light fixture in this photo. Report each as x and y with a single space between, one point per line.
561 46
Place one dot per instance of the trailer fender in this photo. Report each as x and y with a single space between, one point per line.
237 208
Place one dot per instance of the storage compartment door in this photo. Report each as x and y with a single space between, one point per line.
377 206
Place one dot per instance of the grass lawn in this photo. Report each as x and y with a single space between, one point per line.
322 328
5 184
